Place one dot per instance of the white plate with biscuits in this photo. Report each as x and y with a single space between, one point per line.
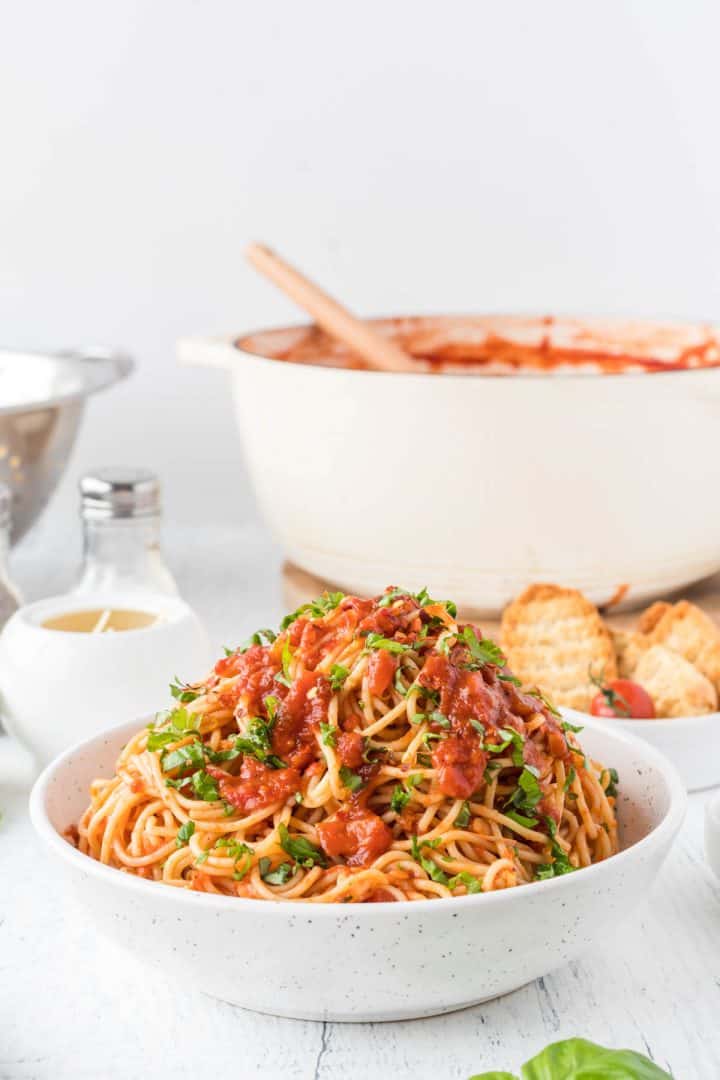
557 639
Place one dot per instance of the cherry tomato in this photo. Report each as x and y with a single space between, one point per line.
624 698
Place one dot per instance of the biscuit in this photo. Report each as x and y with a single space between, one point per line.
652 615
555 639
675 685
629 647
687 630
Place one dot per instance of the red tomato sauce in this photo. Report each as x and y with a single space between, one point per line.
255 671
304 708
381 669
350 749
355 833
257 785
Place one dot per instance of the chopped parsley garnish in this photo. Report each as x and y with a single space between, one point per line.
483 651
377 641
278 876
184 833
569 779
567 726
613 781
560 864
254 639
527 794
350 779
462 818
205 786
392 596
316 609
430 867
180 724
300 850
445 644
400 799
184 757
256 742
328 733
434 717
338 675
520 819
544 701
271 704
183 692
471 883
239 853
510 736
509 678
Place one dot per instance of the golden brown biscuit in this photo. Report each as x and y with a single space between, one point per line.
675 685
554 639
687 630
652 616
629 647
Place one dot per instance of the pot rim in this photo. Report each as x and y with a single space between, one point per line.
236 343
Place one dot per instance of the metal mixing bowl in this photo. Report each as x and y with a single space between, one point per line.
42 399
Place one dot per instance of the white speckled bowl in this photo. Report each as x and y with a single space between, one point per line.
692 743
388 961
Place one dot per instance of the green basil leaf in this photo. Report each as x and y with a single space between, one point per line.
350 779
316 609
185 756
377 641
338 675
520 819
462 818
278 876
483 651
581 1058
300 849
328 733
205 786
430 867
471 883
400 799
184 833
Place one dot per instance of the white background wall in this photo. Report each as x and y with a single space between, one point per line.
412 155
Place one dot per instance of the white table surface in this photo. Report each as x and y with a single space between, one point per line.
74 1006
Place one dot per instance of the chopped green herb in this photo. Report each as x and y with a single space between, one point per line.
300 849
390 597
560 864
510 678
545 701
483 651
350 779
613 781
400 798
255 741
528 793
445 644
205 787
184 757
567 726
278 876
180 724
520 819
271 704
430 867
202 858
184 833
183 692
510 736
328 733
338 675
377 641
462 818
316 609
569 779
472 884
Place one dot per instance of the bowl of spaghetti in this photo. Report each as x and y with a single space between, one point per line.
363 816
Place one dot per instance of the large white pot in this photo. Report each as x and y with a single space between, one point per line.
477 484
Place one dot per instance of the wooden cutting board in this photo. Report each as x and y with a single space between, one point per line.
299 587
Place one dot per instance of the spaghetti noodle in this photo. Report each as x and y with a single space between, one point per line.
372 750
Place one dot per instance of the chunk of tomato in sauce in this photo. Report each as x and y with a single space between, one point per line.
254 672
257 786
460 762
350 749
381 669
302 711
354 833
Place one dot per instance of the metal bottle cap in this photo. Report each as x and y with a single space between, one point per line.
5 506
119 492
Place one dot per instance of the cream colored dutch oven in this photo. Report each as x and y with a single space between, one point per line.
524 449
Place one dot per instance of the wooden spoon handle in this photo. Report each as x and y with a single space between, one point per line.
378 351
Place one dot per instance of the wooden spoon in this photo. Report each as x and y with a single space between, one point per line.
377 351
